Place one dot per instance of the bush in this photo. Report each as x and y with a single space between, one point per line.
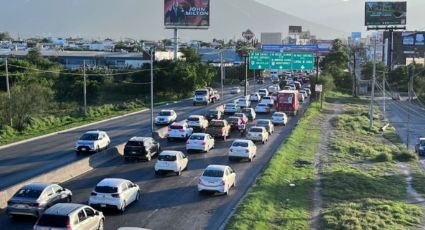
383 157
406 156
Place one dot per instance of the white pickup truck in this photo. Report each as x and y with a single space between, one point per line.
205 96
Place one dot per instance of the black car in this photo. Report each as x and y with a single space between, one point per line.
213 114
143 148
260 81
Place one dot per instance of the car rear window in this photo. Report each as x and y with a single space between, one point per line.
262 122
176 127
201 92
106 189
278 115
266 97
232 119
256 130
193 119
164 113
56 221
28 193
240 144
89 137
166 158
262 105
134 144
212 112
216 124
213 173
197 137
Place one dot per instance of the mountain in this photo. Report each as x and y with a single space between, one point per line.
143 19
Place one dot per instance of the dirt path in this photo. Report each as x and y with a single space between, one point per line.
330 112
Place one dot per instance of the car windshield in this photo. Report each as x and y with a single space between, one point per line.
240 144
266 98
106 189
166 158
89 137
134 143
164 113
28 193
262 105
256 130
278 115
422 143
55 221
232 119
217 124
212 112
197 137
193 119
213 173
176 127
201 92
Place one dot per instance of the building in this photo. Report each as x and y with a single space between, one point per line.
271 38
407 45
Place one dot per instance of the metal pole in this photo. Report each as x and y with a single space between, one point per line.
246 76
383 86
373 88
222 75
176 46
152 122
317 68
85 87
9 94
255 82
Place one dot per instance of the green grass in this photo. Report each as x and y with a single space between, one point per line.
362 187
272 203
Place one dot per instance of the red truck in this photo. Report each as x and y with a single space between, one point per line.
287 102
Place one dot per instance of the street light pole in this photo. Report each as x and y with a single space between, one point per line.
8 93
373 88
246 75
152 122
222 75
85 88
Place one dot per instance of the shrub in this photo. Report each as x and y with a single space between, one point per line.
383 157
406 156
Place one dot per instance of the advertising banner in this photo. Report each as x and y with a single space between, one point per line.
295 29
385 13
187 14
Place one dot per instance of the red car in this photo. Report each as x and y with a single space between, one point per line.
243 117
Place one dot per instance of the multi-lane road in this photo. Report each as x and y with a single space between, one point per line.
170 202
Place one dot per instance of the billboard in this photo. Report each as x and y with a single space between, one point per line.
356 36
413 38
187 14
385 13
295 29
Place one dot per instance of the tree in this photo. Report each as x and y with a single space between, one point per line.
5 36
191 54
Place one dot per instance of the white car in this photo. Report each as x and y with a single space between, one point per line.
235 90
230 108
179 131
244 149
92 141
301 97
114 193
165 117
279 118
243 103
262 108
171 161
217 178
273 89
200 141
263 92
268 100
197 122
257 133
304 92
266 123
255 97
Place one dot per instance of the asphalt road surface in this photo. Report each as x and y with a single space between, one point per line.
24 161
171 202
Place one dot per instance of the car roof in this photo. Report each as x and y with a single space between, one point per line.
36 185
111 182
278 113
169 153
63 208
260 127
198 116
242 140
200 134
216 167
182 123
166 110
138 138
94 132
268 120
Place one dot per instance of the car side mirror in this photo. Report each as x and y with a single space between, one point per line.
97 213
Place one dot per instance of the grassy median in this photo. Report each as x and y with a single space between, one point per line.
273 203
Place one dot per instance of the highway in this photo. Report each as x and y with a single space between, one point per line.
171 202
24 161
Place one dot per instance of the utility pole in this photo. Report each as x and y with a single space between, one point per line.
152 125
222 75
383 87
85 88
317 68
246 75
8 93
373 87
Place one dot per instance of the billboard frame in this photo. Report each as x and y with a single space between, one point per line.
190 27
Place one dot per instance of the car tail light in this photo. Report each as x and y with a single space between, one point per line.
203 143
116 195
182 130
68 225
187 142
93 194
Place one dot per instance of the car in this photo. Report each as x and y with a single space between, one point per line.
243 117
235 122
34 198
263 92
273 96
141 148
250 113
268 100
260 81
257 133
266 123
70 216
235 90
243 102
262 107
217 178
242 149
242 83
165 117
230 108
213 114
273 89
179 130
297 84
197 122
255 97
201 142
171 161
420 146
279 118
92 141
114 193
307 90
301 97
219 129
304 92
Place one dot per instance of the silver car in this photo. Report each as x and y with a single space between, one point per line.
33 199
69 216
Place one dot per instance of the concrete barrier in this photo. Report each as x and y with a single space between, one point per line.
66 172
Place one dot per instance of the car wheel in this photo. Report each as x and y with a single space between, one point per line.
179 173
69 199
250 159
100 227
97 149
263 142
156 173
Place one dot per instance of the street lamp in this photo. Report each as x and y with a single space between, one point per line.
152 53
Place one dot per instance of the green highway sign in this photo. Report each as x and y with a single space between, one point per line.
258 60
281 61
